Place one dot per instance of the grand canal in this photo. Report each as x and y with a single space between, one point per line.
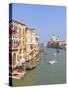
44 73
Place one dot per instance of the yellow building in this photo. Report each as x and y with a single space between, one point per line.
32 47
23 46
16 44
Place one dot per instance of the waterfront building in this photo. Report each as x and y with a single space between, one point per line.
23 48
56 43
16 46
32 47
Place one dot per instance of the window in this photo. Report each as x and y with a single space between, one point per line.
14 59
15 28
19 30
10 59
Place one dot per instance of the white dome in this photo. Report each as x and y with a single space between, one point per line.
53 38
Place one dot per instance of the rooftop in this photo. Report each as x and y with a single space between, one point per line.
16 22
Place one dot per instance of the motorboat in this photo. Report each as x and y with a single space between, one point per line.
51 61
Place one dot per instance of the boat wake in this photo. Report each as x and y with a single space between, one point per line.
52 61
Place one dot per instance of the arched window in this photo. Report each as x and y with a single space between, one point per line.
10 59
14 59
20 30
18 58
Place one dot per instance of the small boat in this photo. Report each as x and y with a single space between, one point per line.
57 51
51 61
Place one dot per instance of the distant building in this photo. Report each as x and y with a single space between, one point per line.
56 43
53 38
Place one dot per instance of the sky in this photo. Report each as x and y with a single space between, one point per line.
46 19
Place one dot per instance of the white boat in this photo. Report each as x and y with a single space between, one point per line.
51 61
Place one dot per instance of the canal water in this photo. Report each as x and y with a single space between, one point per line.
44 73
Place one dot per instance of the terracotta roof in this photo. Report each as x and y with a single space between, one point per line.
16 22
